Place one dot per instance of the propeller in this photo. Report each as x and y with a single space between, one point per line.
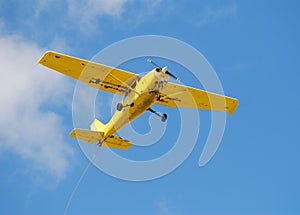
164 70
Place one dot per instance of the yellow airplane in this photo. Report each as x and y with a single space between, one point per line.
140 93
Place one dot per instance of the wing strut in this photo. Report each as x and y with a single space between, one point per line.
129 87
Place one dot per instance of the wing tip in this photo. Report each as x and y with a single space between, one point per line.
234 106
73 133
44 57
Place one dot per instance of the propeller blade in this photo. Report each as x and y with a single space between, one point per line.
163 69
150 61
173 76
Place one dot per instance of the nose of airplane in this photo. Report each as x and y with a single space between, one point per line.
165 69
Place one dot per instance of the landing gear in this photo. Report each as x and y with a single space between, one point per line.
120 106
157 96
163 117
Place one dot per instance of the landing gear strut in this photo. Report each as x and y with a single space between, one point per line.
163 117
120 106
157 96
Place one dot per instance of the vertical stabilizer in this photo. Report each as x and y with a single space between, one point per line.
96 134
97 126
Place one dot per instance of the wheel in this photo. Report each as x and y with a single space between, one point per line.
119 106
164 117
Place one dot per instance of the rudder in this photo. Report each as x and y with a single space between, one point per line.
97 126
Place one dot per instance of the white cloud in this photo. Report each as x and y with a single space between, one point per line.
210 15
86 14
59 45
141 11
37 19
27 127
163 207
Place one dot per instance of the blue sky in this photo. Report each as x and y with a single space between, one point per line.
252 45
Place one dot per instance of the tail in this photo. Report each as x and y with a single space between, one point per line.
96 134
97 126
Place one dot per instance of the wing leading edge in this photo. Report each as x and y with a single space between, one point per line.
96 75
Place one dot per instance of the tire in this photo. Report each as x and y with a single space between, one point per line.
119 106
164 117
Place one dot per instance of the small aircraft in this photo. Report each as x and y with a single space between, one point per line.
140 93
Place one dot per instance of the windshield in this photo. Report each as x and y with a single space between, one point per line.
132 86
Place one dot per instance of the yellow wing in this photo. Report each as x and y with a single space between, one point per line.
175 95
90 136
96 75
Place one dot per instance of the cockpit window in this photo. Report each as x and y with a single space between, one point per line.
133 85
126 93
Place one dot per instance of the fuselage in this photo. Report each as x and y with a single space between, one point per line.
141 96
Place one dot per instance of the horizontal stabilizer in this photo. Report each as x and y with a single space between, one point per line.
90 136
115 141
87 135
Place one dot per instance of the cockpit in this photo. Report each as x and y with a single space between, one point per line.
132 85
